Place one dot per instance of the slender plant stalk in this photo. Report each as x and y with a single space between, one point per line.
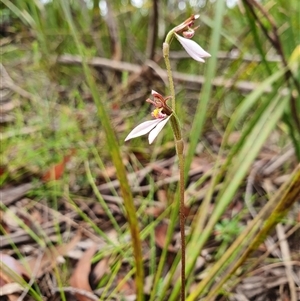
175 124
197 53
179 149
166 50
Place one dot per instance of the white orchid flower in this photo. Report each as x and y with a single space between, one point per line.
153 127
192 48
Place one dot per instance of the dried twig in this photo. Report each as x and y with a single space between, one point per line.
286 258
10 195
7 82
193 82
278 161
74 291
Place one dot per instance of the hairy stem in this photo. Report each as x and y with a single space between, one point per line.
179 149
166 49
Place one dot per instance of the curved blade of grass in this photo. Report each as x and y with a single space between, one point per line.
116 158
22 14
279 43
245 157
238 114
100 198
250 101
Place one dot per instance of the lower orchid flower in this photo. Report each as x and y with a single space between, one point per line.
162 114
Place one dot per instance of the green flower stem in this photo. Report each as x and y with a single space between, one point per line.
169 37
175 127
166 50
179 149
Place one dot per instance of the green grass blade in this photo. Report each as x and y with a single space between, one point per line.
234 178
116 158
205 94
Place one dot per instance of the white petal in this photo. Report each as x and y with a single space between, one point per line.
192 48
153 134
143 128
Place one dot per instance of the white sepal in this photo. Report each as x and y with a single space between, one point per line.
193 49
153 134
152 126
143 128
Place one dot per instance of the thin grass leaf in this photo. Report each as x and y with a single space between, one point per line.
286 196
205 94
116 157
233 179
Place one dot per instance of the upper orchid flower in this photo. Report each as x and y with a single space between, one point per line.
185 26
162 114
191 47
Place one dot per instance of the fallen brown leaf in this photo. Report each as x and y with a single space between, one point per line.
160 237
80 277
56 171
155 211
13 265
127 288
11 288
49 259
9 265
100 269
